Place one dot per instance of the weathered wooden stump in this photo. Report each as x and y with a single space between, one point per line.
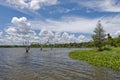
27 49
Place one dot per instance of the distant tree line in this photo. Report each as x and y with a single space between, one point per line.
65 45
108 41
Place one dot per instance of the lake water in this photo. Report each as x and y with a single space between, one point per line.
15 64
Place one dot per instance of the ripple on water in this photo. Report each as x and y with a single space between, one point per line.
48 65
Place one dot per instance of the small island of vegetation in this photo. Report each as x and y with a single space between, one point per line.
107 58
106 54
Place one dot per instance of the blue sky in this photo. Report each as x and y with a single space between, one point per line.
78 17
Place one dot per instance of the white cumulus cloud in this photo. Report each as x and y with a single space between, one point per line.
79 24
18 3
11 31
46 35
22 24
31 4
20 32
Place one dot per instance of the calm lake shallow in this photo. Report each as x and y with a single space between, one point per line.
15 64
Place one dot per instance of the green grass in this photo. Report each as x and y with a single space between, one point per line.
107 58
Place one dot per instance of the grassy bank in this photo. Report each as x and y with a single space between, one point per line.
108 58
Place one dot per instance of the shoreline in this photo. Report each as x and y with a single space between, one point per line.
109 59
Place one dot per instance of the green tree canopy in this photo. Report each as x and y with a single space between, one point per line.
99 36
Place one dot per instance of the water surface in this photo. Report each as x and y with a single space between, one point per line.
15 64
